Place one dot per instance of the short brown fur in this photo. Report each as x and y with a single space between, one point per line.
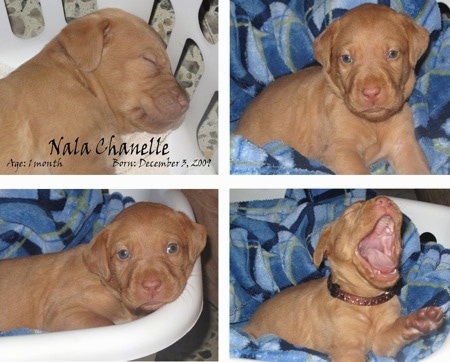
91 286
307 315
106 74
349 116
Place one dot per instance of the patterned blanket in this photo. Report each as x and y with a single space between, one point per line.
45 221
271 247
265 37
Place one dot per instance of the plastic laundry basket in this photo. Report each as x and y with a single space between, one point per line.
183 141
137 339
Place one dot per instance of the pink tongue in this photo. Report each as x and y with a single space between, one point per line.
378 260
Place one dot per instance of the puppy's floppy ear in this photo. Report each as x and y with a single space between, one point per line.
84 39
198 240
321 251
96 256
418 39
322 45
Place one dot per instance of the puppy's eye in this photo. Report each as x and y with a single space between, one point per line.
123 254
393 54
152 60
172 248
346 59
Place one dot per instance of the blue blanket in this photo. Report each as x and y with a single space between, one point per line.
271 247
46 221
269 39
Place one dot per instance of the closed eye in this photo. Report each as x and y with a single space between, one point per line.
153 62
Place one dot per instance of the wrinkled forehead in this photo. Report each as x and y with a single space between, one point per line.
354 206
360 35
160 225
132 29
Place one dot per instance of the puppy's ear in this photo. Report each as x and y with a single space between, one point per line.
198 241
418 39
84 39
321 251
322 45
197 234
96 256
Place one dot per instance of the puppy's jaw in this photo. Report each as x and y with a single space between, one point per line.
156 111
364 247
376 93
141 301
391 100
378 252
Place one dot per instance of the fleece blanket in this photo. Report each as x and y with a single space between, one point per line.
271 248
270 38
46 221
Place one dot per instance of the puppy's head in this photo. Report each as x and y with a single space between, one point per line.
369 56
129 62
363 245
146 255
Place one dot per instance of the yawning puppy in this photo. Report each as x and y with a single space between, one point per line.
354 310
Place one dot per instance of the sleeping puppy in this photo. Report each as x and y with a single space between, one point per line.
135 265
105 75
355 310
351 111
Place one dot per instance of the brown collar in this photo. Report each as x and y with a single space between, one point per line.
336 292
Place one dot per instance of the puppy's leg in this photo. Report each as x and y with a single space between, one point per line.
406 330
345 161
348 349
408 159
79 320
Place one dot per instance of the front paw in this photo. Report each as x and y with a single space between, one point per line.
422 322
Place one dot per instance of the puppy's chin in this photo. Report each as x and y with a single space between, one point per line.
147 308
141 303
378 111
156 121
376 114
155 124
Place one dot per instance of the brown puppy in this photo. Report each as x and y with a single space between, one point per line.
138 263
355 311
350 112
104 75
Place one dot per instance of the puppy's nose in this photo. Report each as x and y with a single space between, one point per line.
183 100
383 201
152 286
173 102
371 94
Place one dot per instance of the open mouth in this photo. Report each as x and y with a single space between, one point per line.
378 251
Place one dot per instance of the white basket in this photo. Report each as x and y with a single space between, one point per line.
183 141
137 339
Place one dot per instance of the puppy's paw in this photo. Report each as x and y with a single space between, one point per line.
422 322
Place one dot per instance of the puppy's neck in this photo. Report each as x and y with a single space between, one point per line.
336 292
